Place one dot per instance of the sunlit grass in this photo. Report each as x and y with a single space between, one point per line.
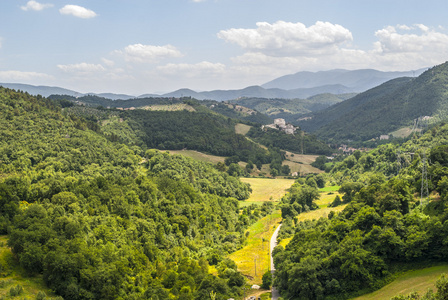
13 274
242 128
253 259
199 156
413 281
266 189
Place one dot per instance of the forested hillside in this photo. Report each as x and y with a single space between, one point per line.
291 109
160 103
388 226
384 109
299 142
103 220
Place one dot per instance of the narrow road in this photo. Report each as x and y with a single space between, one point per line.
275 294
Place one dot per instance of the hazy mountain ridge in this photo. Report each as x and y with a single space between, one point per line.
383 109
300 85
355 80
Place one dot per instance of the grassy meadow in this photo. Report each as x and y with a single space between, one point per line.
199 156
253 259
12 275
412 281
242 128
266 189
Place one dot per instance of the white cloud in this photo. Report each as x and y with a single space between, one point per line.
77 11
282 48
20 75
192 70
423 42
34 5
81 68
148 53
289 39
108 62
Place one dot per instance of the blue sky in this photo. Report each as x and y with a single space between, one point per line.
154 46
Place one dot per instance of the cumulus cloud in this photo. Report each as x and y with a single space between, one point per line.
81 68
77 11
23 76
148 53
422 40
108 62
34 5
192 70
283 47
288 39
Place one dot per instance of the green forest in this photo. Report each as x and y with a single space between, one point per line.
395 219
92 204
99 219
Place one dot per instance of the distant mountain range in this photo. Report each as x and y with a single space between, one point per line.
356 81
383 109
301 85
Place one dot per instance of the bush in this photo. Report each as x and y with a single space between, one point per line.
267 280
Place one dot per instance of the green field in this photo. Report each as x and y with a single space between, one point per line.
199 156
242 128
11 275
266 189
253 259
412 281
172 107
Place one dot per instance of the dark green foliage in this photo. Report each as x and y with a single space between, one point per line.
291 109
380 231
383 109
102 220
267 280
298 142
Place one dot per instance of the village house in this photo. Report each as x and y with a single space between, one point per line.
280 124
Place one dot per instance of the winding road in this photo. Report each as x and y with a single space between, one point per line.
275 294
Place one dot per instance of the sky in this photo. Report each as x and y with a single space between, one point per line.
155 46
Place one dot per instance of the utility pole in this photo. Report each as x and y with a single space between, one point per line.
255 260
424 188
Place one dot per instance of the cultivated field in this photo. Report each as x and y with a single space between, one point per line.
266 189
413 281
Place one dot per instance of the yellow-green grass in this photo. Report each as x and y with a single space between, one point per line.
242 128
13 275
199 156
331 188
172 107
301 158
403 132
412 281
253 259
266 189
285 242
326 198
301 169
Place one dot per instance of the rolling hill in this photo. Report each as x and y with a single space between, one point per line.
291 109
383 109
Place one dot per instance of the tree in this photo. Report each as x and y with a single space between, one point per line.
267 280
